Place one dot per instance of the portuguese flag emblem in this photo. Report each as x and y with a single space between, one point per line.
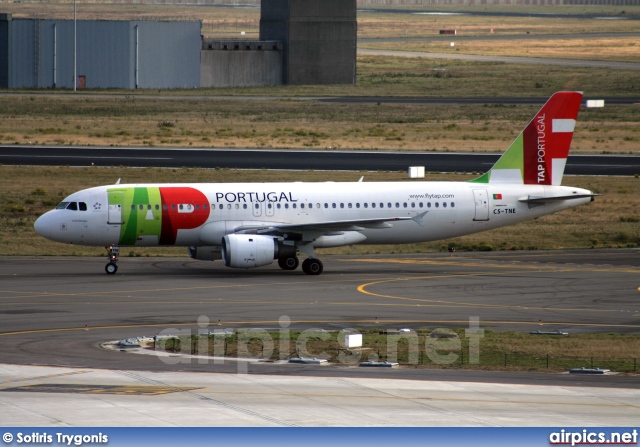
497 197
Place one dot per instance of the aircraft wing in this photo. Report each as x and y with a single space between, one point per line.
329 225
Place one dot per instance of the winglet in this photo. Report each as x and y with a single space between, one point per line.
539 154
419 218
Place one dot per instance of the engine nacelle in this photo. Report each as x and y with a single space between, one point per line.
246 251
205 253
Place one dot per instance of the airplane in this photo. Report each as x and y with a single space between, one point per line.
250 225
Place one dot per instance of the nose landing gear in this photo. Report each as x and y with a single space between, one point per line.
113 252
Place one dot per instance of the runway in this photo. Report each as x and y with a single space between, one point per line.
55 312
294 160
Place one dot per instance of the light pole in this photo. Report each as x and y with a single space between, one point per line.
75 49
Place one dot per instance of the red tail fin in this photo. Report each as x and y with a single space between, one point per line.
547 139
539 154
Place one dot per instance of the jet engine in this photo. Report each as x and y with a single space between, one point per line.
250 250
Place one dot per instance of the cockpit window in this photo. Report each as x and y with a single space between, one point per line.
73 206
82 206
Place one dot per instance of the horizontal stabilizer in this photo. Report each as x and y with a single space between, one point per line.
543 200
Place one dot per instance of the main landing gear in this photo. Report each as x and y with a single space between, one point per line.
310 266
113 251
290 263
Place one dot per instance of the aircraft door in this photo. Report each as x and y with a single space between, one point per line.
116 200
481 204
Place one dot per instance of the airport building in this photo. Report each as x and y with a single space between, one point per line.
301 42
110 54
319 39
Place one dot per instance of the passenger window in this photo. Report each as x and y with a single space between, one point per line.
381 205
413 205
82 206
444 204
197 206
257 206
389 205
244 205
73 206
318 205
453 204
133 207
302 205
404 204
428 204
173 206
397 205
157 207
221 206
237 206
141 207
294 206
421 205
366 205
437 204
268 206
205 206
278 206
286 206
373 205
350 205
333 205
180 207
357 205
228 206
326 205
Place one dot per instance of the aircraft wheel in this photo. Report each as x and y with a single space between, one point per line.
312 266
288 263
111 268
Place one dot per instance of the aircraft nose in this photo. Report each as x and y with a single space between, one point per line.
42 225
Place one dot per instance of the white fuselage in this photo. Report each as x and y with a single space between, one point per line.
142 215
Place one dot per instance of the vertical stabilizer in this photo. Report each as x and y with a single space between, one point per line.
539 154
